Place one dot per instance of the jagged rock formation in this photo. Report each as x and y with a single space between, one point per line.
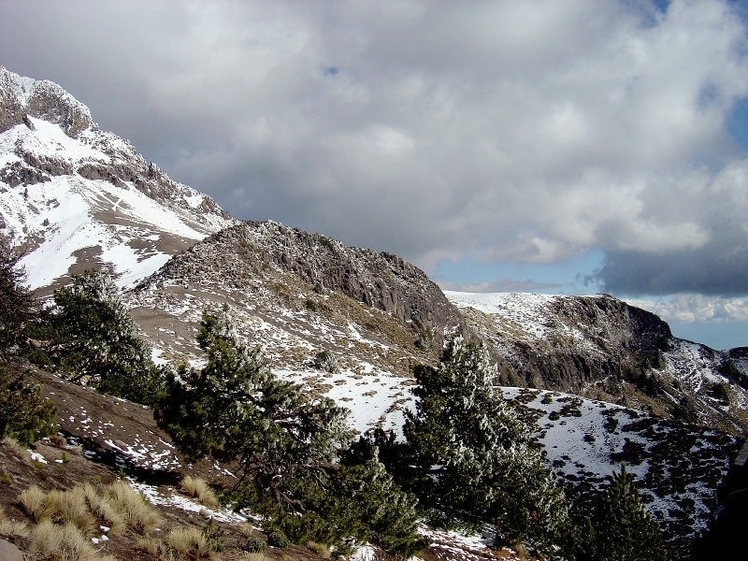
85 193
377 279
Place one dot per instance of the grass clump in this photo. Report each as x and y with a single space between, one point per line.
103 509
33 501
133 507
254 544
189 543
18 450
62 543
70 507
10 527
197 488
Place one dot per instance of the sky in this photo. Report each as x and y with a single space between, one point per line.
558 146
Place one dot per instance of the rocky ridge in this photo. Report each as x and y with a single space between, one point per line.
603 348
84 194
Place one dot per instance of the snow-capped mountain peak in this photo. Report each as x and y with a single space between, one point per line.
74 196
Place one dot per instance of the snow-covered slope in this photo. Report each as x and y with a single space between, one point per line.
602 348
75 196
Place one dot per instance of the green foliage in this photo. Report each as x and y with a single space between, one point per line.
366 502
94 340
472 456
214 534
619 528
17 306
253 544
287 445
277 538
24 414
685 410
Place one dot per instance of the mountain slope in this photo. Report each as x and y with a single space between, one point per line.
602 348
350 323
75 196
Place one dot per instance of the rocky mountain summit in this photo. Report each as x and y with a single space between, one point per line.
75 196
603 348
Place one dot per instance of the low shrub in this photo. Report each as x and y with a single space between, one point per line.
278 539
254 544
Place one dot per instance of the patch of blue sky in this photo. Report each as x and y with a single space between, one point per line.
719 335
737 123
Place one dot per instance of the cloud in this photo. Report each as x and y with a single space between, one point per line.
690 308
528 132
501 285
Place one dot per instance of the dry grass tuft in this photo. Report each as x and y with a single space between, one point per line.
135 509
189 543
17 449
10 527
320 549
254 557
197 488
33 501
103 510
62 543
62 507
70 507
152 547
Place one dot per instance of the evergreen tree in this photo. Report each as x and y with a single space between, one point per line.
620 528
94 340
285 443
472 454
17 306
24 414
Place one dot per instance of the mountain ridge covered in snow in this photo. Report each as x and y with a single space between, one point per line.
75 196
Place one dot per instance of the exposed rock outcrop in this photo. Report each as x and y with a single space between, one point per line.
239 255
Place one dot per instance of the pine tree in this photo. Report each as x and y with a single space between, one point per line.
17 306
474 462
285 443
620 528
94 340
24 414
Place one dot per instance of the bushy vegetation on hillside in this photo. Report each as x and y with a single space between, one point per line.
24 414
17 304
469 458
466 459
93 339
292 450
619 528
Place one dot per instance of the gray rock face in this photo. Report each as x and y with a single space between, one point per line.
625 341
380 280
46 100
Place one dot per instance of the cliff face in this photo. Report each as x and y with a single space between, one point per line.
603 348
22 97
380 280
316 290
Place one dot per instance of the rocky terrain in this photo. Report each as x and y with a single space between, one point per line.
602 381
73 196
